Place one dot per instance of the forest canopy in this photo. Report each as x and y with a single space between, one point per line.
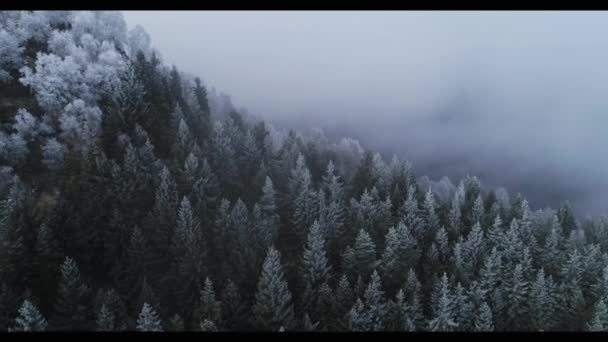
133 197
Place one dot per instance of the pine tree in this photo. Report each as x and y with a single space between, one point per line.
375 303
188 254
542 303
114 304
49 255
455 217
359 319
315 268
72 311
105 319
400 253
176 323
443 317
148 320
326 308
29 319
344 300
273 306
159 232
430 215
233 308
304 200
411 215
364 252
484 320
208 308
333 219
463 309
517 297
599 322
478 210
270 219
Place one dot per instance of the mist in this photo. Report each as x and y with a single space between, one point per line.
516 98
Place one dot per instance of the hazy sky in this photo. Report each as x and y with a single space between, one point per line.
517 97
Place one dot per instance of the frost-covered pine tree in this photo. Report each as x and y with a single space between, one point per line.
542 303
269 227
334 216
599 320
483 320
188 256
72 311
105 319
478 210
148 320
364 253
517 299
400 253
273 306
411 214
443 316
375 303
315 268
29 319
430 214
208 308
176 323
305 206
359 319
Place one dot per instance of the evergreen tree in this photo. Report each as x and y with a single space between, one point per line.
273 307
269 226
209 308
443 317
105 319
233 308
148 320
484 320
315 268
176 323
400 253
364 253
29 319
542 303
599 322
304 200
188 254
72 311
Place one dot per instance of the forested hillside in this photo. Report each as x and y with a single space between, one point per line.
132 198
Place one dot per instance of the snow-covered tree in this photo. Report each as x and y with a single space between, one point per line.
273 306
148 320
29 319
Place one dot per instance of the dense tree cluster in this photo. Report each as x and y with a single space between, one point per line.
131 198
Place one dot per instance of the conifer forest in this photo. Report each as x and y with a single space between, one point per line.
134 197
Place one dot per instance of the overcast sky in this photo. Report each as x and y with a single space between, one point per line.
511 95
